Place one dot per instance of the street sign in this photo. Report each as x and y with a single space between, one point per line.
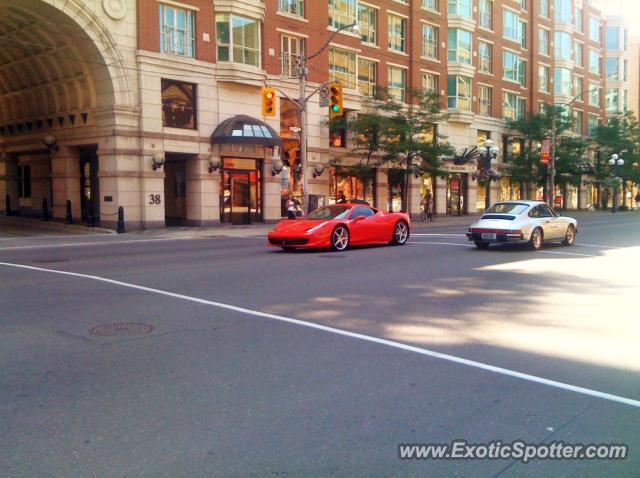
324 96
545 151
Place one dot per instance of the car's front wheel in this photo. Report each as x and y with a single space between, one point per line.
400 234
570 236
481 245
340 238
535 242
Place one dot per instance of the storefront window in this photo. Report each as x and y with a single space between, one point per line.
178 104
290 177
427 187
396 190
343 183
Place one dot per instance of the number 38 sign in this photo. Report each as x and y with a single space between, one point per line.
155 199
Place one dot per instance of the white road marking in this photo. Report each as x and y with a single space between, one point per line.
442 243
354 335
567 253
52 237
97 243
437 235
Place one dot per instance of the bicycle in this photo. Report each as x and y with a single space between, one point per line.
426 213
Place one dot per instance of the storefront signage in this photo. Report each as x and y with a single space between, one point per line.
459 168
239 163
545 151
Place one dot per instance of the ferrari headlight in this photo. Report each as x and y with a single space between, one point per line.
315 228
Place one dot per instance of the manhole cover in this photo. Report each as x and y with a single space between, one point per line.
121 329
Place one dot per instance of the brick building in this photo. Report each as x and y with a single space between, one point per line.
177 135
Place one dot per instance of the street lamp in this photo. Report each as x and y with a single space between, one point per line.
488 152
614 163
303 99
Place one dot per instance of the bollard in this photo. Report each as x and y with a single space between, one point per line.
7 205
91 221
68 216
120 220
45 210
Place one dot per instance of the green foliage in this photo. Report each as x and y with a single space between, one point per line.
621 135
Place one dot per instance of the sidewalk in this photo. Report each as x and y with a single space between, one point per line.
20 226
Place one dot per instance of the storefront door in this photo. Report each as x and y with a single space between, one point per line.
456 194
89 197
241 200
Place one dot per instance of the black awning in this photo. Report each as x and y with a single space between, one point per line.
243 129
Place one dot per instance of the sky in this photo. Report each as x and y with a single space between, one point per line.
628 8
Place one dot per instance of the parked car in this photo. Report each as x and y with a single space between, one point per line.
532 222
341 225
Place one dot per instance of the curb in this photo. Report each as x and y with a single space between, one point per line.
53 224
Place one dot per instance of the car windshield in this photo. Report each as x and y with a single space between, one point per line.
507 208
330 212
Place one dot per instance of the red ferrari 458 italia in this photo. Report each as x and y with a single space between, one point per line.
341 225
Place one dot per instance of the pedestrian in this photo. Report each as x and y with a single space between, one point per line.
341 197
291 208
426 204
637 198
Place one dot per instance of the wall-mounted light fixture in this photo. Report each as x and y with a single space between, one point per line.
276 167
50 142
214 163
318 170
158 160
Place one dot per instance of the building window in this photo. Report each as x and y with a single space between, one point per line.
509 105
484 100
179 104
367 76
459 92
238 39
594 29
177 31
593 124
397 33
577 121
24 181
544 8
577 20
459 7
625 39
577 88
625 100
430 83
612 99
625 70
486 14
543 41
430 41
613 67
292 7
459 45
511 25
612 38
368 23
514 67
431 5
562 81
338 137
290 50
578 53
543 78
485 56
562 46
342 66
594 62
342 13
563 11
594 93
397 83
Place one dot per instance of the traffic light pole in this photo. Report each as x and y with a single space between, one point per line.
302 104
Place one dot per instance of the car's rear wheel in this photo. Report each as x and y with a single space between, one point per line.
340 238
400 233
570 236
535 242
481 245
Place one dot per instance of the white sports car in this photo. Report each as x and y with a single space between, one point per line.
522 221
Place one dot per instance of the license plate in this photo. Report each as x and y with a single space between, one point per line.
489 235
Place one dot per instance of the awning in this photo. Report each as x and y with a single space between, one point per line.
243 129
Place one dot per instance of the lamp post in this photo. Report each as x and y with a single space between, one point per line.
303 100
488 152
614 163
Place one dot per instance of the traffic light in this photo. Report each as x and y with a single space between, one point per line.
335 100
268 101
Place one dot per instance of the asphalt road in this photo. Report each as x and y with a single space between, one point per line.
262 363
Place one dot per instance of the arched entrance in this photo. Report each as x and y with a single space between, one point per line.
63 84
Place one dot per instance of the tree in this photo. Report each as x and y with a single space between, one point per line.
569 153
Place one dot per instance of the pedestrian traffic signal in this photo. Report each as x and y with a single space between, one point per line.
335 100
268 101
